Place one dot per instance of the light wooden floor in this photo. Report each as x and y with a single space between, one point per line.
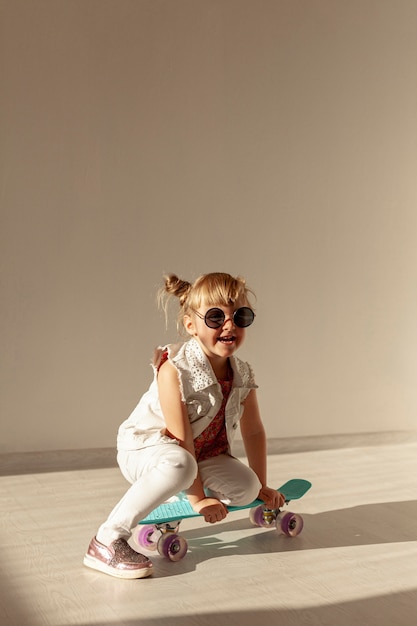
354 563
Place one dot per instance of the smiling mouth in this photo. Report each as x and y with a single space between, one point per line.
227 340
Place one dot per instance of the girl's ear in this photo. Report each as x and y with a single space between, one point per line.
189 325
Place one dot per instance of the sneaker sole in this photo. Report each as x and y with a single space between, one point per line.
112 571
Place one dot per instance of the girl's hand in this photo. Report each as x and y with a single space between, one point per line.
272 498
212 509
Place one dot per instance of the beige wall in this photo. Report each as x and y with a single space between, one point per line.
269 138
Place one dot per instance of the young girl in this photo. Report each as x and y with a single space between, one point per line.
179 436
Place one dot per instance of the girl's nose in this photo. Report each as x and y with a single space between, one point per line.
229 321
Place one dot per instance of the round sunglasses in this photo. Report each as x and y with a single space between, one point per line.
215 317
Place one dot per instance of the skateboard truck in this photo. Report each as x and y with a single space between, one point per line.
269 516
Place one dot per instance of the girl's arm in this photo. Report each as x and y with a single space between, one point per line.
178 427
254 439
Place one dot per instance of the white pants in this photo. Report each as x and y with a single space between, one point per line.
160 472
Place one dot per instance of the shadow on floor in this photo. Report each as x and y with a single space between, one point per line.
356 526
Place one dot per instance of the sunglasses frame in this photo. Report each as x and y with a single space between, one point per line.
215 308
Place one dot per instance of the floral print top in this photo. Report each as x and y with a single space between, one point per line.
213 440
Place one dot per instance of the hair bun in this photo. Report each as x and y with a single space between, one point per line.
174 286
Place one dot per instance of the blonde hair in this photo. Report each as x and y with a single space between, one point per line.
214 289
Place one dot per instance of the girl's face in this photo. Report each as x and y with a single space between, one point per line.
217 343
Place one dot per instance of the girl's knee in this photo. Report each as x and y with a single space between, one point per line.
246 492
180 462
230 480
173 463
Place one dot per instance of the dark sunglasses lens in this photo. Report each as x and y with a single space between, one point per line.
244 317
214 318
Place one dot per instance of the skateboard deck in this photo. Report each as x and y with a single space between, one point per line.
176 511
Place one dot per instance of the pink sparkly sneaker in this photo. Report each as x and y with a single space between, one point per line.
119 559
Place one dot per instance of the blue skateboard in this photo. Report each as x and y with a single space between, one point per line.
159 530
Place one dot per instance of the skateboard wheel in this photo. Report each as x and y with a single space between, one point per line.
172 546
259 516
289 524
145 537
